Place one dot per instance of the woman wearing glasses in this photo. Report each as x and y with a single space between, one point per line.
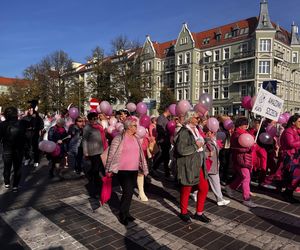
126 159
94 143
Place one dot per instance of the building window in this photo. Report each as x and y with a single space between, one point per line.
205 90
216 74
197 75
205 40
188 57
225 110
216 93
186 76
226 53
217 55
295 57
265 45
225 72
180 59
216 110
206 59
218 37
158 66
225 92
244 90
198 57
264 67
180 77
206 75
179 94
143 67
235 32
186 92
244 47
149 66
196 94
243 69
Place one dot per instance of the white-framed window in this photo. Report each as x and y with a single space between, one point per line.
183 40
216 74
196 93
244 91
217 55
205 90
264 67
244 47
295 57
225 72
198 57
265 45
143 67
186 76
226 110
187 57
186 94
158 82
180 59
206 59
216 93
243 69
216 110
197 75
149 66
206 75
180 77
179 94
225 92
158 66
226 53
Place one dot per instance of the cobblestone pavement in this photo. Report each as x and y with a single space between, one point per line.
58 214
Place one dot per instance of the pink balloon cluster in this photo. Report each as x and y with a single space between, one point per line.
105 107
183 107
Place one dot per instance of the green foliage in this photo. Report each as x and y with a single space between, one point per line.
166 99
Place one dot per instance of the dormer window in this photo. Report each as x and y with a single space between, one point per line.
205 40
218 37
235 31
183 40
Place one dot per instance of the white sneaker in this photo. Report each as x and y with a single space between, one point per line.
36 164
223 202
7 186
249 203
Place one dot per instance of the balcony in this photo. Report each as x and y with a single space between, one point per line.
278 56
244 55
242 77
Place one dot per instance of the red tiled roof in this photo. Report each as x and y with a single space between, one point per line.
10 81
160 48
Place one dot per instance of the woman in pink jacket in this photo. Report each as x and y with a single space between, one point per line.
290 152
242 162
126 159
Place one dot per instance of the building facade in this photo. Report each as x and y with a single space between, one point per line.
228 62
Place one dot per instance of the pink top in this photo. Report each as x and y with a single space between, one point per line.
129 159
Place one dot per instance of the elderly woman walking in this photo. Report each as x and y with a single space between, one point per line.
126 159
191 167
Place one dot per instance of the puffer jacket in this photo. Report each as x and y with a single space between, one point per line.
115 152
241 156
289 141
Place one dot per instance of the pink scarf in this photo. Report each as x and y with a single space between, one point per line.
102 134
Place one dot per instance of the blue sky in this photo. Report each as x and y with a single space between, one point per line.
33 29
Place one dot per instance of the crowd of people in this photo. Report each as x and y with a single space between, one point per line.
195 152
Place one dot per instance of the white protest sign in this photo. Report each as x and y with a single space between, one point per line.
267 105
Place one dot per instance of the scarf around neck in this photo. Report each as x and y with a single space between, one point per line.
196 135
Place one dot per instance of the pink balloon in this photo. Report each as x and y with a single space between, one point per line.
113 121
56 151
228 124
206 100
287 116
140 131
213 124
110 111
201 109
271 130
145 121
265 138
246 102
246 140
104 107
47 146
131 107
171 126
141 108
98 109
172 109
182 107
253 101
110 129
282 119
73 113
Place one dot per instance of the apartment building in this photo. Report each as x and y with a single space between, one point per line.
228 62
